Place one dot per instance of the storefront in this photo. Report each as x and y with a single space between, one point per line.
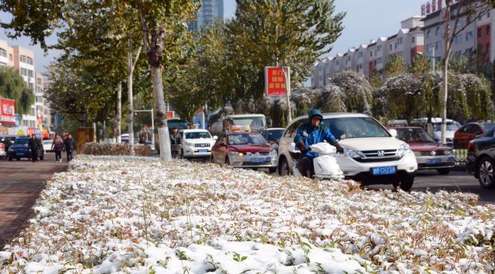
7 117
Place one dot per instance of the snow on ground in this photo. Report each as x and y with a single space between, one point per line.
137 215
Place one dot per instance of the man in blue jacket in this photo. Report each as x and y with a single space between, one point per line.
311 133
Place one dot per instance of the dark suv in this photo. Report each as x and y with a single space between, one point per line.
481 158
20 149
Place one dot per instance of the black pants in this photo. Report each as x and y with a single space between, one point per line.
34 157
69 155
58 155
306 167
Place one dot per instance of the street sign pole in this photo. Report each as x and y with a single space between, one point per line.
287 85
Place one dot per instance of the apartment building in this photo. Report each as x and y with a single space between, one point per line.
371 58
23 61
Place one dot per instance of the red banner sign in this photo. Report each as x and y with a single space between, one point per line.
170 115
7 111
275 81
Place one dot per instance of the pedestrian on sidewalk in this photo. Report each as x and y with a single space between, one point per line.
33 145
69 146
57 147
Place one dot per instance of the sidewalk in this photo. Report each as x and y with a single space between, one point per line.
20 185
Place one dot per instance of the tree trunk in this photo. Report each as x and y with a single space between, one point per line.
130 95
118 117
445 98
446 72
163 135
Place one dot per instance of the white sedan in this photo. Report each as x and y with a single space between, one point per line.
195 143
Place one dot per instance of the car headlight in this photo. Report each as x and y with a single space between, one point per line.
235 156
354 154
273 154
403 150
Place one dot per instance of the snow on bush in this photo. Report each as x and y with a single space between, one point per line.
137 215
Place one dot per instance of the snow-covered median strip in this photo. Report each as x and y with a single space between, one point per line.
137 215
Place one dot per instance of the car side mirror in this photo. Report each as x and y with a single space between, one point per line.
393 132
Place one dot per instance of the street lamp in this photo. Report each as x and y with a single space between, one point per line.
152 125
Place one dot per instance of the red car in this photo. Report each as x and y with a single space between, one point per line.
470 131
244 149
429 154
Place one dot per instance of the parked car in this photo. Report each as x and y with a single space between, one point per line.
481 159
429 154
372 154
3 151
273 134
20 149
195 143
47 145
246 150
452 127
470 131
7 141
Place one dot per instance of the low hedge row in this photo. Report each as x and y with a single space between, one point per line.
115 149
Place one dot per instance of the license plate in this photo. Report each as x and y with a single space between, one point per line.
203 151
433 161
386 170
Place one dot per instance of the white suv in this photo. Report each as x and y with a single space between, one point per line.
372 155
195 143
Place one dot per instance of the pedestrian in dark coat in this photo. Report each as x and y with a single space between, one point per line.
33 145
69 146
58 147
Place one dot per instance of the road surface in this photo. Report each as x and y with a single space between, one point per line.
20 185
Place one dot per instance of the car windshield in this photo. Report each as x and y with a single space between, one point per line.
488 127
252 122
246 139
47 142
355 127
414 135
180 124
490 133
451 126
198 135
273 135
21 141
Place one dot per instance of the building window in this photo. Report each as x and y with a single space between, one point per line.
3 52
31 86
413 39
437 30
26 59
488 30
30 73
427 33
390 47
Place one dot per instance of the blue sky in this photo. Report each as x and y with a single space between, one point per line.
365 20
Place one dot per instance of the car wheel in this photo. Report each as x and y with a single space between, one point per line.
18 159
227 161
486 173
10 158
42 157
406 181
443 171
283 167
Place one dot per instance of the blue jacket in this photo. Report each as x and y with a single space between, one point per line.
313 135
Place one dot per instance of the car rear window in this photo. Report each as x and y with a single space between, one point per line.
246 139
21 141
